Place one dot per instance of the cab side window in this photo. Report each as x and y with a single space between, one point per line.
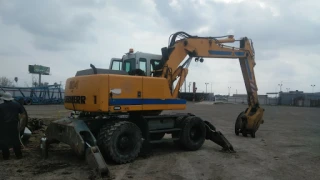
143 64
116 65
154 63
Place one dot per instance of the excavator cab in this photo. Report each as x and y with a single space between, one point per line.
131 61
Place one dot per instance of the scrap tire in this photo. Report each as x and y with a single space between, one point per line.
193 133
24 121
120 141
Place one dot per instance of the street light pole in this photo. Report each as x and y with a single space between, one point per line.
312 85
229 91
206 87
280 86
189 86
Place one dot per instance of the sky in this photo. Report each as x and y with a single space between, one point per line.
68 35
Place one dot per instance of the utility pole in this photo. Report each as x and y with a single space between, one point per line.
229 91
189 86
206 87
280 85
312 85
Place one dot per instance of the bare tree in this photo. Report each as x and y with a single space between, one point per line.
4 81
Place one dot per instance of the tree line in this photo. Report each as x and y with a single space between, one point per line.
7 82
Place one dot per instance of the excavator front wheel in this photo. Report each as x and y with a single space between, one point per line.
120 141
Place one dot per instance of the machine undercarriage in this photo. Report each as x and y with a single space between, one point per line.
121 138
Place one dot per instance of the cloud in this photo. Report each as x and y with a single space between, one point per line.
87 3
51 24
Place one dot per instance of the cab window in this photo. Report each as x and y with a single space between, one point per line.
129 64
153 64
116 65
143 64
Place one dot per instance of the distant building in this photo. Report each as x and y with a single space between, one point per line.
243 98
299 98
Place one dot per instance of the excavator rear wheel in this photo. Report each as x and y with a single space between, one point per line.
120 141
193 133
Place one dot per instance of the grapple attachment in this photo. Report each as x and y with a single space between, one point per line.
218 138
76 133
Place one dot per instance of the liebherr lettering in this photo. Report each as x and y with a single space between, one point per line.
75 99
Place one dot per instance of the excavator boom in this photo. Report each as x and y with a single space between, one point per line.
213 47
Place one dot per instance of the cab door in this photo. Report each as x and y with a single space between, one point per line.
142 64
129 64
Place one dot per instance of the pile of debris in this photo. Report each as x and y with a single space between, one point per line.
36 125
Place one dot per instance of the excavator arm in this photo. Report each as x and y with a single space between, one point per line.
196 47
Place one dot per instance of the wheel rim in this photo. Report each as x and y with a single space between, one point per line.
125 143
196 133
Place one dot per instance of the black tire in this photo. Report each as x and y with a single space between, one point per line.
109 141
24 121
193 133
178 124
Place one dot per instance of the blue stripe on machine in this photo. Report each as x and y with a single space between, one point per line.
129 101
239 53
212 52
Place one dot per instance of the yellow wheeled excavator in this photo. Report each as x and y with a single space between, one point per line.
117 111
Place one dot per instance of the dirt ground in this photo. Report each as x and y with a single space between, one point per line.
287 146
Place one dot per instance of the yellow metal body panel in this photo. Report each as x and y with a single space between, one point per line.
128 87
89 87
154 87
119 93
